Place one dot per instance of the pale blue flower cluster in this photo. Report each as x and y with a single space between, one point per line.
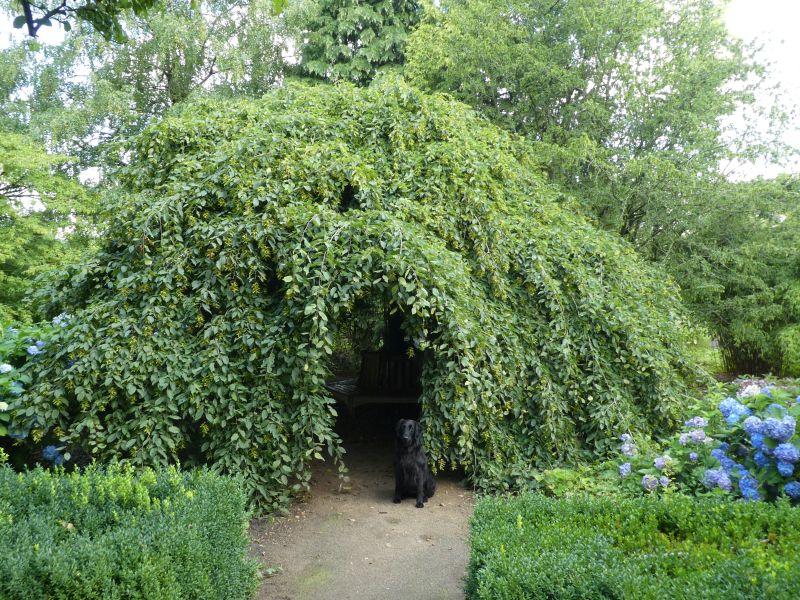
649 483
628 447
748 486
784 468
697 422
661 462
717 478
6 368
787 453
792 489
61 320
733 410
779 430
625 469
53 454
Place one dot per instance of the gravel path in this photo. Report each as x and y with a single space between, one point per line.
355 543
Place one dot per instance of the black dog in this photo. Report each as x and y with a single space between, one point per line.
412 477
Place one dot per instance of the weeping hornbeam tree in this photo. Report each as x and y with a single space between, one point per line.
248 235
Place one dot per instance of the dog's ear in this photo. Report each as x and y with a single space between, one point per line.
417 434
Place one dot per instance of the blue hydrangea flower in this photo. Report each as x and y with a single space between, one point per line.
727 463
734 417
761 459
728 405
649 483
787 453
696 422
748 485
626 437
757 440
698 436
663 481
733 410
34 350
6 368
717 478
752 425
50 453
786 469
792 489
628 449
661 462
693 456
625 469
683 439
779 430
767 391
40 344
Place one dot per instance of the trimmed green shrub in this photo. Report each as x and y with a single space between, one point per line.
248 234
113 533
534 547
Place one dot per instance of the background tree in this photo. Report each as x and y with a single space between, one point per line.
103 15
350 40
89 93
44 217
740 270
629 106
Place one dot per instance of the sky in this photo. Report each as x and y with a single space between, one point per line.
772 23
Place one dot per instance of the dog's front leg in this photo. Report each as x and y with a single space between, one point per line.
397 491
420 493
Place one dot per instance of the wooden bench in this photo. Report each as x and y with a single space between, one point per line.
384 378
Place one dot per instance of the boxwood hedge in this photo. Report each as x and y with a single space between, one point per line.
116 534
679 547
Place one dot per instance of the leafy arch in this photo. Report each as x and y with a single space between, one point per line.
202 330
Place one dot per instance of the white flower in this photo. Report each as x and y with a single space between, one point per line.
6 368
61 319
3 406
751 390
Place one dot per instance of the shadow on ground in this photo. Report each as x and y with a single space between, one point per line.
352 542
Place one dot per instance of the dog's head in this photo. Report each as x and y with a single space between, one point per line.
408 433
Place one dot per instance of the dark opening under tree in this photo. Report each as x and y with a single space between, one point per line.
249 232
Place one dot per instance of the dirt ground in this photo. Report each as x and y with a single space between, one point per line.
355 543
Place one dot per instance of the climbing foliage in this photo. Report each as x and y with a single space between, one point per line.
252 232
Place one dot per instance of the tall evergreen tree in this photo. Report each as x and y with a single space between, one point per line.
351 40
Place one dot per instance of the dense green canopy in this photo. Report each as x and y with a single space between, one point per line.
254 232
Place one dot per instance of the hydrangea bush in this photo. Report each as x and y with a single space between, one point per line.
21 347
745 446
